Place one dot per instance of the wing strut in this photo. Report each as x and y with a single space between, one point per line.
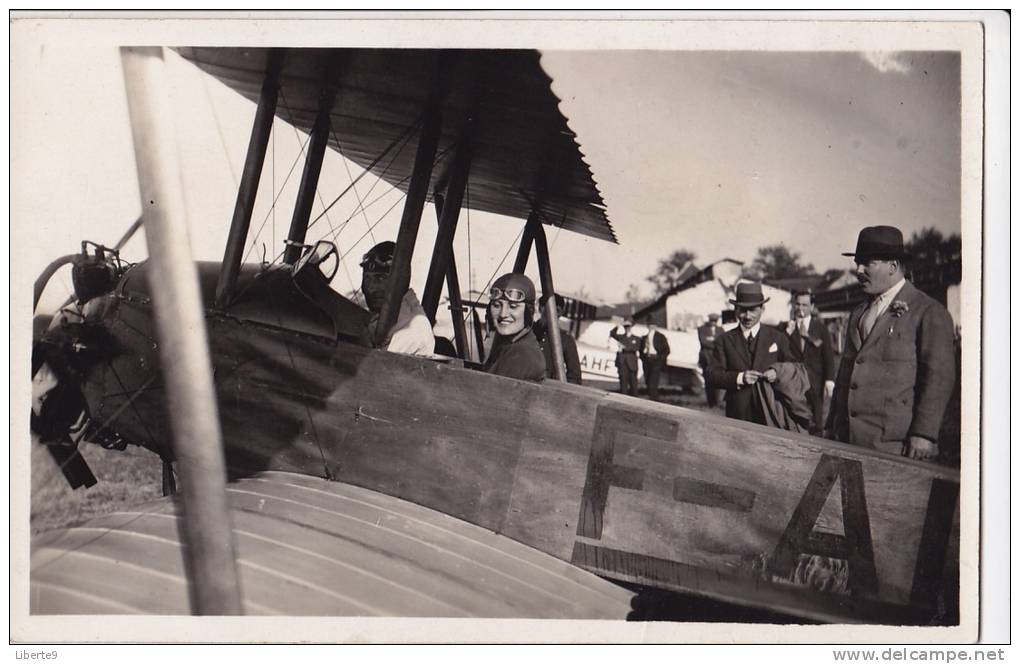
249 188
524 250
183 344
313 167
534 233
443 249
453 288
417 190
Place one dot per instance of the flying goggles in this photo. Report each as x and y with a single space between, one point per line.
513 295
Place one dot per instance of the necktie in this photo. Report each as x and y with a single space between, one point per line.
750 344
803 331
868 319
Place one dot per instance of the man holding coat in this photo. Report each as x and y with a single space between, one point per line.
743 355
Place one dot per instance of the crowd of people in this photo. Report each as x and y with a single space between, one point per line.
896 374
892 386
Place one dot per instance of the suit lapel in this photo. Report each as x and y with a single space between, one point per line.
855 324
761 347
906 294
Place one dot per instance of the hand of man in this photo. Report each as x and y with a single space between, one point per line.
751 377
830 387
770 375
920 448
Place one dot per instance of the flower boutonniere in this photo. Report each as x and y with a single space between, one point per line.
898 308
790 327
816 342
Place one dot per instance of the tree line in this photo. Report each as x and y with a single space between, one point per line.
777 261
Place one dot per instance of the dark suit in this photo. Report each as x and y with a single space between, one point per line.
896 382
731 356
627 360
654 364
708 334
571 359
815 351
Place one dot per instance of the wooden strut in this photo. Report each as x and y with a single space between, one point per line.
183 345
552 318
310 176
414 204
453 289
249 187
443 249
527 238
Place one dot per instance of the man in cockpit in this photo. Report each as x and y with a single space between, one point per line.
412 333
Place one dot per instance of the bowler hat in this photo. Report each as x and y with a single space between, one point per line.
749 295
713 316
879 242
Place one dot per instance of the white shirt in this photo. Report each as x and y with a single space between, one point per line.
804 324
754 330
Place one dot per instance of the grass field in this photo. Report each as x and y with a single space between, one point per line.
125 479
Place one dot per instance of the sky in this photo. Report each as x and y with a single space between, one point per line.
716 152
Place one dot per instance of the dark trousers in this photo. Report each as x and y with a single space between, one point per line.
628 378
713 395
814 399
653 372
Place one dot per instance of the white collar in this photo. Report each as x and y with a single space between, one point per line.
892 291
753 331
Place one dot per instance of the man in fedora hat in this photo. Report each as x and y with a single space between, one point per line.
627 356
897 372
743 355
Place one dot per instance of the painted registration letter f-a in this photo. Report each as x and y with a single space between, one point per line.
603 472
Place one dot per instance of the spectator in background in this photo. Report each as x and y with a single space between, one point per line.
571 359
811 344
744 355
627 356
708 334
654 351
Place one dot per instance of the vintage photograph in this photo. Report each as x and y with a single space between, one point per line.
649 321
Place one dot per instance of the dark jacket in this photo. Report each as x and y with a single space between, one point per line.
519 357
630 344
816 353
571 358
661 345
897 382
730 357
783 402
708 334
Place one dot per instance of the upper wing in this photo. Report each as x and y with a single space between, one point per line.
524 154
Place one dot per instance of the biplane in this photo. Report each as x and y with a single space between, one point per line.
365 482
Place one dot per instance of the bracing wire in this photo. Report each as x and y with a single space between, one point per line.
467 195
403 139
272 133
272 206
219 130
503 260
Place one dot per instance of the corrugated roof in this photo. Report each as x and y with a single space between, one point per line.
524 151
